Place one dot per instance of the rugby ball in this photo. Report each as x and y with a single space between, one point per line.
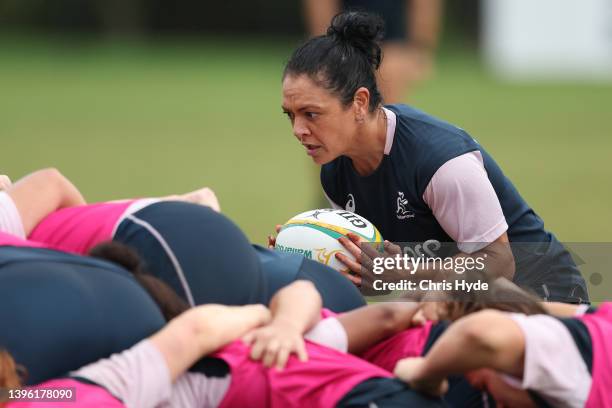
314 234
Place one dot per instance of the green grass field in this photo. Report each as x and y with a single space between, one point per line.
138 120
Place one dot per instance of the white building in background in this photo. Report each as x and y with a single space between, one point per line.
548 39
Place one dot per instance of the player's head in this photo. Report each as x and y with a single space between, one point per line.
501 295
329 84
170 304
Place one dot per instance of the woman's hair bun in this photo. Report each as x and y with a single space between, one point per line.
361 30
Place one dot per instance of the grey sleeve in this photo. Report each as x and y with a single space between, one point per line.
138 376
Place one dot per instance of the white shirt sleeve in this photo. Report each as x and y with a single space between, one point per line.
330 333
581 310
138 376
10 219
553 365
465 204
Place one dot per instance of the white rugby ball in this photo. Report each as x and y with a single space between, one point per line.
314 234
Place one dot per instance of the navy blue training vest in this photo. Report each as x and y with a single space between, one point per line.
392 199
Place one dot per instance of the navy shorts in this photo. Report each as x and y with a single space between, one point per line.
387 393
198 252
60 312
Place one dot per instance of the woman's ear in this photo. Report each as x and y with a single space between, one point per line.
361 103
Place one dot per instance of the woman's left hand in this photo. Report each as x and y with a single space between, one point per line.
274 343
410 370
361 268
505 395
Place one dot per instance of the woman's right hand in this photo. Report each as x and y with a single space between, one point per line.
272 238
204 196
275 343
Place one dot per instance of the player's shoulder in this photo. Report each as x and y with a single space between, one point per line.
421 125
420 136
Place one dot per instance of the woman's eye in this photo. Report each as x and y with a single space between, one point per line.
311 115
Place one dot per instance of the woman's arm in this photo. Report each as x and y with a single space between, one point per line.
498 258
204 196
318 15
486 339
295 309
202 330
424 20
40 193
465 204
561 309
383 321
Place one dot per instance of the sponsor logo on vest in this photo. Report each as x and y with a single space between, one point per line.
350 204
402 211
306 253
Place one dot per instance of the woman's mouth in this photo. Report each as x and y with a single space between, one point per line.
311 150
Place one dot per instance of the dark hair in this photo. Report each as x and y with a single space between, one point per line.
344 59
169 302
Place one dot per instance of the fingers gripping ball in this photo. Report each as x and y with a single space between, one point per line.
314 234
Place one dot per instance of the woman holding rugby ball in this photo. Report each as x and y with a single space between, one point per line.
417 178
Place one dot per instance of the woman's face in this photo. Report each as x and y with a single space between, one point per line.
320 122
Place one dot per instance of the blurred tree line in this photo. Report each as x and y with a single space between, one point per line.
159 17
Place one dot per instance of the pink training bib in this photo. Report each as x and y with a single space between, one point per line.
409 343
82 396
78 229
599 325
12 240
322 381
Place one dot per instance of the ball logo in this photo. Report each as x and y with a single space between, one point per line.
306 253
353 219
316 213
323 256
